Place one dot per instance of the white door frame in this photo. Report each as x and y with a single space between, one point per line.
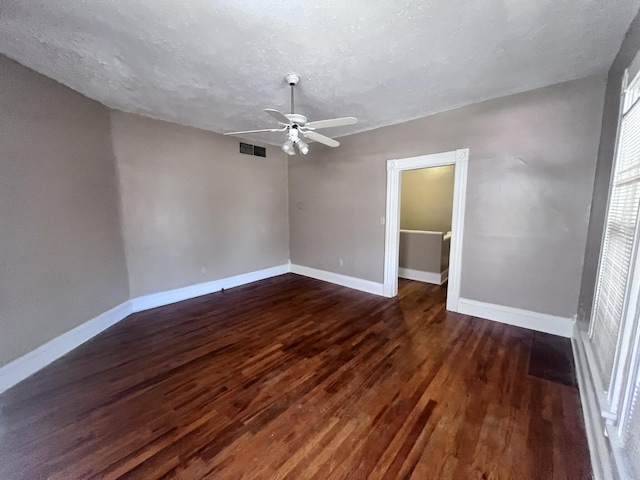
460 159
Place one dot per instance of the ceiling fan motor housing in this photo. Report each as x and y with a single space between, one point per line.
297 119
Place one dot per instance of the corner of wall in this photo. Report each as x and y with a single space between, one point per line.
288 202
120 204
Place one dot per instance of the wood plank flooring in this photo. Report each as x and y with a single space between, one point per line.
293 378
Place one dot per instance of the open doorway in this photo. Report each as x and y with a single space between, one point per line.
459 160
426 207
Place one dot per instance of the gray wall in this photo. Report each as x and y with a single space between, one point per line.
191 200
426 200
62 258
421 251
531 172
628 50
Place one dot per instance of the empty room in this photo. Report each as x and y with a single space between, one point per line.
330 240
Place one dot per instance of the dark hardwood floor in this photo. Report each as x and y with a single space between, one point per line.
295 378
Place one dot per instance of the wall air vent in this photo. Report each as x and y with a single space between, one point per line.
248 149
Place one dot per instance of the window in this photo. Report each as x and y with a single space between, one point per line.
619 239
614 333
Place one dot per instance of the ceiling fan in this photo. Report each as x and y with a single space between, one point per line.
296 125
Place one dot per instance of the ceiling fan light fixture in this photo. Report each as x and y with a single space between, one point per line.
287 147
303 148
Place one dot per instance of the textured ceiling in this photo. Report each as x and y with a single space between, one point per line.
217 64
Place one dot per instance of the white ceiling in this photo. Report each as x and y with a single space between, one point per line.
217 64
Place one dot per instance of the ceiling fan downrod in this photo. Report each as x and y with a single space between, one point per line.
292 79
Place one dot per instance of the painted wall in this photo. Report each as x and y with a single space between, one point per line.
190 201
426 200
628 50
421 251
61 251
531 171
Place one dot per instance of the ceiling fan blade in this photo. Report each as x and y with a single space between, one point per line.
333 122
281 117
321 139
258 131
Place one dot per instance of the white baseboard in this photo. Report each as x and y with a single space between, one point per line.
160 299
343 280
541 322
422 276
28 364
602 463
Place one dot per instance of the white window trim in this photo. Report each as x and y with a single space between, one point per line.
609 398
615 403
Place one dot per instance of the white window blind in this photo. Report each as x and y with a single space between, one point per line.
619 238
